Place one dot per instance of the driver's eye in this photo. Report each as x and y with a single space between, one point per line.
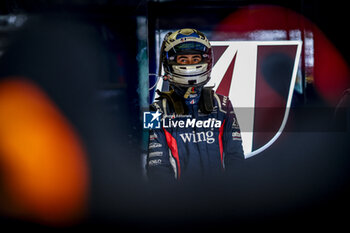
183 60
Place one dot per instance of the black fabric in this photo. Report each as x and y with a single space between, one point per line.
206 104
176 102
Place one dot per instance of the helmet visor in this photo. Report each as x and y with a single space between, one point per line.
188 48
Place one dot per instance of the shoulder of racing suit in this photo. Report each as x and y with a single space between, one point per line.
222 102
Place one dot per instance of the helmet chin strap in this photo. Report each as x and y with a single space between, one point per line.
188 92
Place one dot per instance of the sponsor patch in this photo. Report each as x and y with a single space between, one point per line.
236 136
155 154
194 137
154 162
154 145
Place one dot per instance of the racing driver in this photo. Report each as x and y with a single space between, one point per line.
199 134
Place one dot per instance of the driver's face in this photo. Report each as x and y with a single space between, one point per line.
188 59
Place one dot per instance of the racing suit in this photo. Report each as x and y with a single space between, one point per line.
191 149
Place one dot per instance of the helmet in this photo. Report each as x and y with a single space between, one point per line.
182 42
